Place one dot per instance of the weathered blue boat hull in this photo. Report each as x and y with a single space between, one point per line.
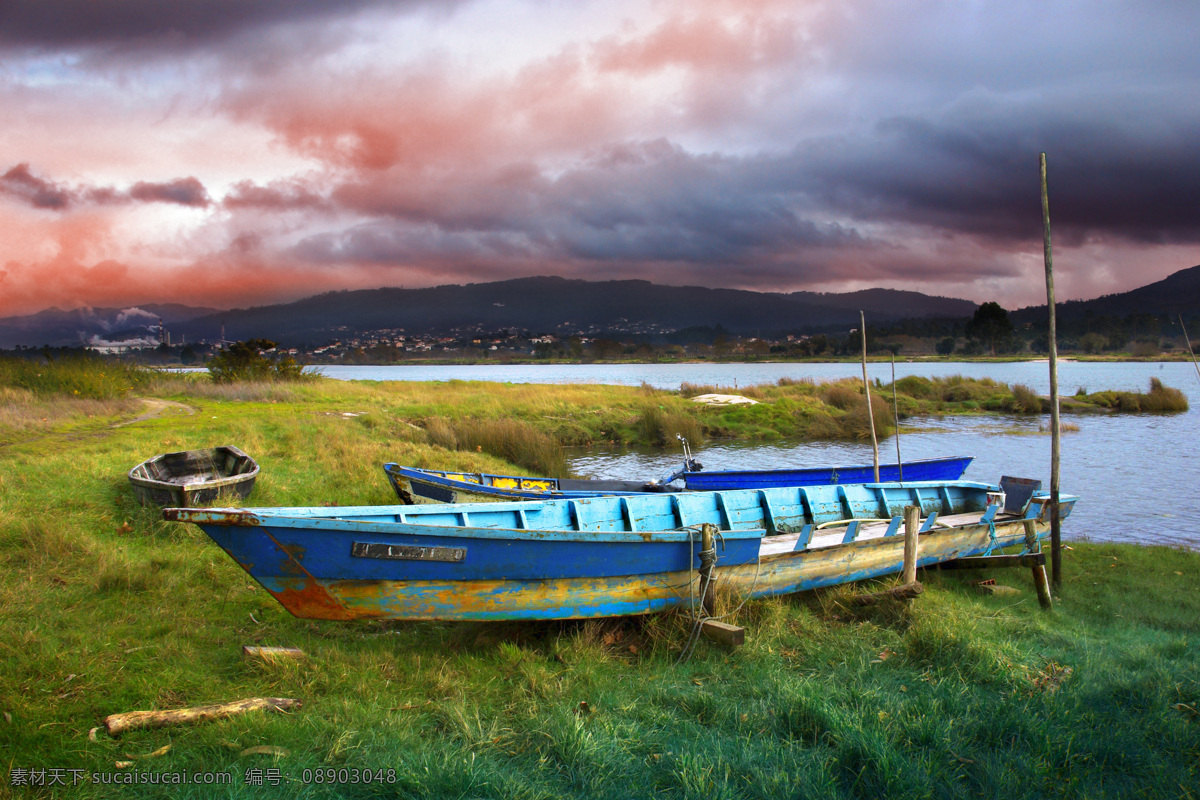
596 557
414 485
933 469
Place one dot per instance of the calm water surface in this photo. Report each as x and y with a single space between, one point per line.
1136 474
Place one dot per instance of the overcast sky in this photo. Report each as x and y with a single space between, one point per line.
239 152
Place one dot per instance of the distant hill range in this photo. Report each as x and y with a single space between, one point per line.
549 305
562 306
1178 293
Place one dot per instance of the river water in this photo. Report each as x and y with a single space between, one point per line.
1136 474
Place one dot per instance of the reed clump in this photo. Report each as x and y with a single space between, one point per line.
76 376
690 390
957 389
238 391
916 387
1160 400
1024 400
842 395
513 440
660 427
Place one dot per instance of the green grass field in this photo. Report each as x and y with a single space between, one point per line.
108 609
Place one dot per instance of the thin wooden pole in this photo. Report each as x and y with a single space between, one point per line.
862 326
912 524
1189 344
896 414
1055 428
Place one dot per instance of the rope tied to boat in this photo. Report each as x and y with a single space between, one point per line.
991 523
708 558
708 562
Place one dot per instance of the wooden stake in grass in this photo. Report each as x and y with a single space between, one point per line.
1055 425
116 724
867 386
912 525
1039 570
1043 587
910 587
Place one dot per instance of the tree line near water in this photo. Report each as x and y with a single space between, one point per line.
991 331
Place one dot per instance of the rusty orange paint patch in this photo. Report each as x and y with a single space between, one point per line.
310 600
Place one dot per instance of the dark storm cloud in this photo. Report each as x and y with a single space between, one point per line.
279 196
21 183
51 24
954 102
649 201
979 173
658 202
184 192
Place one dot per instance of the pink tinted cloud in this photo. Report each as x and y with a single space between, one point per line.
66 263
708 39
81 269
439 112
431 118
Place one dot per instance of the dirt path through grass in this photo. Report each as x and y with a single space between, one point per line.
155 407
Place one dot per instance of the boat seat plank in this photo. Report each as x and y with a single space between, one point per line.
861 501
768 513
627 516
787 509
803 538
824 503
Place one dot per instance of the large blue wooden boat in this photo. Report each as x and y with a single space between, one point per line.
604 556
414 485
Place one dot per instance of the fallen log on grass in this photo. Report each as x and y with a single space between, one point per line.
269 654
117 724
905 591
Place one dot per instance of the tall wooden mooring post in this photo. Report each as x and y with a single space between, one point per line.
1055 427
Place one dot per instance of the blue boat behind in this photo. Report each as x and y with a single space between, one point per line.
413 485
604 556
932 469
